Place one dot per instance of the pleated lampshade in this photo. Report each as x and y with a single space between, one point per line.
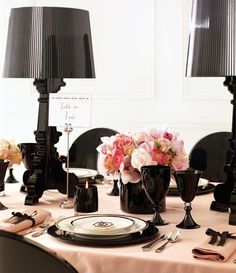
49 42
212 39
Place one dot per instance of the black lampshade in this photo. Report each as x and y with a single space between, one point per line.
49 42
212 39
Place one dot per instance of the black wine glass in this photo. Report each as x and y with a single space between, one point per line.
187 183
155 181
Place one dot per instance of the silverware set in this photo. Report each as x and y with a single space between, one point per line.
171 236
39 230
43 228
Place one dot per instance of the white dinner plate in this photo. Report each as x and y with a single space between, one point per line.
84 225
82 173
100 224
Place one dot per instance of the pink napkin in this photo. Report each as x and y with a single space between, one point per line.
214 252
38 215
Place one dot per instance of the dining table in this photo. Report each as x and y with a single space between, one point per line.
129 258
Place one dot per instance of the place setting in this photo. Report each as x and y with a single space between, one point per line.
103 230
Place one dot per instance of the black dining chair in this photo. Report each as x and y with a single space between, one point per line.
22 255
83 153
211 154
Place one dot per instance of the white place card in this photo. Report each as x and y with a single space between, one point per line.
70 108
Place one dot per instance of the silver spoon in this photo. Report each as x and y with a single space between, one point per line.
148 246
174 236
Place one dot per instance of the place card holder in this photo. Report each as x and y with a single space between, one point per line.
86 198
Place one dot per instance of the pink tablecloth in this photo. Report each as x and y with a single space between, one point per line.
176 257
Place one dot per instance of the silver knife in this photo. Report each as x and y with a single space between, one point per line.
148 246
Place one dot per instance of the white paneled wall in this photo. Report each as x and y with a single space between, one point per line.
140 53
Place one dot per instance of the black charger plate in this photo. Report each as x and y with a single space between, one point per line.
99 240
173 191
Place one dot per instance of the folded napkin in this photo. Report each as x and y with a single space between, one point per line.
219 246
29 217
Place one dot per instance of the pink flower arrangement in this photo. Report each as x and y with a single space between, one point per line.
10 151
125 154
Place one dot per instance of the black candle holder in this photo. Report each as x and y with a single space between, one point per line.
86 198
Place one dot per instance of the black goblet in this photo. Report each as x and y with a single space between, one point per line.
155 181
187 183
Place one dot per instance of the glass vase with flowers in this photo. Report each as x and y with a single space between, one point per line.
10 153
124 155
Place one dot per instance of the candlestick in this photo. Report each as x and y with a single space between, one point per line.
67 204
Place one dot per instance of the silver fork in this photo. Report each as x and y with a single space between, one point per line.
42 230
43 225
148 246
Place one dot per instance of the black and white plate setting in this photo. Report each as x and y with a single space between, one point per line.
103 230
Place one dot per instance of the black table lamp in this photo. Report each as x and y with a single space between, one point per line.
48 44
212 53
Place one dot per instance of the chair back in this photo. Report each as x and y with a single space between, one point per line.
83 153
22 255
211 154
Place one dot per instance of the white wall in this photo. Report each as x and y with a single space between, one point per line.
140 53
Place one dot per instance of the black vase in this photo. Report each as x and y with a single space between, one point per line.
133 199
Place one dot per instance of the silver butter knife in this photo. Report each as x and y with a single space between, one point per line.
148 246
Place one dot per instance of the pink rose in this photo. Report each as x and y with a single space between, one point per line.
158 156
109 164
124 143
169 157
118 158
